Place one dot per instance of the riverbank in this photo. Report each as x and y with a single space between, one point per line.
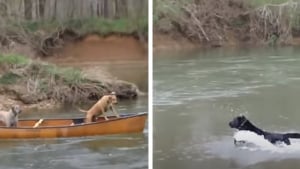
37 84
116 57
80 59
162 42
60 64
231 23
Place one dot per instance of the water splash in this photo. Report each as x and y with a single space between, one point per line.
258 143
255 150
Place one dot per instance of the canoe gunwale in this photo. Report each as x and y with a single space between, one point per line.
123 116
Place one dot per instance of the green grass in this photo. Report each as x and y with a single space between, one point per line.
91 25
69 75
13 59
9 78
165 11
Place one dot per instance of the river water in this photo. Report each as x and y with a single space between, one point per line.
196 94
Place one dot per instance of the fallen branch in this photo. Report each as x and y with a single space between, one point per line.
198 22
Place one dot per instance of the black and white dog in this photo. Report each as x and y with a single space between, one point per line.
242 123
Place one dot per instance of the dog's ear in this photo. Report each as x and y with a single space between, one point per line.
242 116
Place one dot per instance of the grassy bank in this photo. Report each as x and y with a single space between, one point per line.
47 37
100 25
32 82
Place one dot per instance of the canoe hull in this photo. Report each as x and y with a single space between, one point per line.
126 124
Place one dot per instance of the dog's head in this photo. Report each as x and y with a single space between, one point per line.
238 122
16 110
113 98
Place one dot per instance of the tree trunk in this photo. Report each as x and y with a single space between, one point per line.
61 10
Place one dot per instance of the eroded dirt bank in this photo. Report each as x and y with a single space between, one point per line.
97 48
168 42
111 58
162 41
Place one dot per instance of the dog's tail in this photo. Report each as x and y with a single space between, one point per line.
293 135
81 110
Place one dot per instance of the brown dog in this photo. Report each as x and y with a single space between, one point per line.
10 118
103 105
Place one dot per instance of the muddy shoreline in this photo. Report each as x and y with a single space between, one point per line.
163 42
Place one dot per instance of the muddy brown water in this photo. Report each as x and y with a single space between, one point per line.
197 92
113 57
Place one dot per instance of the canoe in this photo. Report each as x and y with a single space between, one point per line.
56 128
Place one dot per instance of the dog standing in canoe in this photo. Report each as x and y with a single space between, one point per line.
10 118
103 105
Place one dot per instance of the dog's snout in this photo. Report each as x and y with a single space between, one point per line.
230 124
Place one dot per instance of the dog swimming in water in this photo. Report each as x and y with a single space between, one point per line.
242 123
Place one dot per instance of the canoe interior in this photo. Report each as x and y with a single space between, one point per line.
29 123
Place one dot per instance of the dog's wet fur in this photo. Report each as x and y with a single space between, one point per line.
242 123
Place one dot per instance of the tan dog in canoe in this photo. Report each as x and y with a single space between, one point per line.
10 118
103 105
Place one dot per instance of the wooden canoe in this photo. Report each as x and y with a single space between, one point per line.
55 128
